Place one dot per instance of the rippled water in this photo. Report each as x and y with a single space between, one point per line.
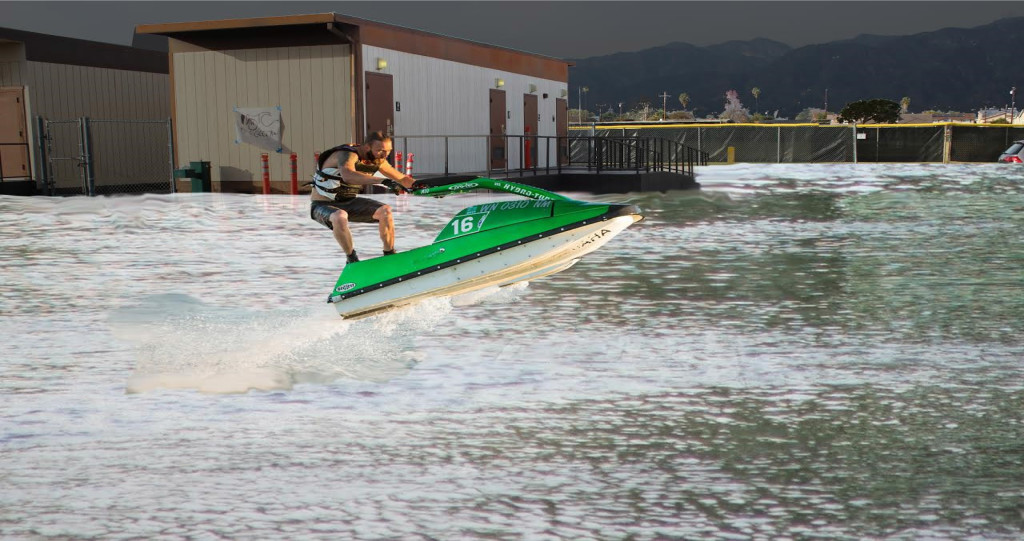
795 351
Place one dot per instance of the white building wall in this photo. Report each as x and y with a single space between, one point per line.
440 97
312 85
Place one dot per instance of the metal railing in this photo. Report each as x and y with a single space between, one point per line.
520 155
647 154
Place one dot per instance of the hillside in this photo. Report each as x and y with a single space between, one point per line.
949 69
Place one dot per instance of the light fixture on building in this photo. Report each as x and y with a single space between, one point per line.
499 82
533 88
564 93
382 64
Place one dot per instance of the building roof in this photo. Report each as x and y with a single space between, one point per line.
332 28
80 52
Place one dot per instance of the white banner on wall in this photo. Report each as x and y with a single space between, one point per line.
259 126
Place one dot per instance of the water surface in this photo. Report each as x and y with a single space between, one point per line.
795 351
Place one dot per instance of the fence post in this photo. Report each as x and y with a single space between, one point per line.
489 145
547 155
947 142
87 171
878 137
43 157
170 154
778 144
854 142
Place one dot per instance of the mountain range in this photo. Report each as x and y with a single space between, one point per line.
952 69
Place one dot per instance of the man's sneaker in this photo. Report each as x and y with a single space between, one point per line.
353 257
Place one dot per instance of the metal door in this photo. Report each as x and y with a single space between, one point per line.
499 115
13 135
562 129
380 103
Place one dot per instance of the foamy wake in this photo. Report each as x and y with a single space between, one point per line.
183 343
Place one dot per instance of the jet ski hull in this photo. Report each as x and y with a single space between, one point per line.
525 259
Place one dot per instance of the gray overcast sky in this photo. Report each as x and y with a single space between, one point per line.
561 29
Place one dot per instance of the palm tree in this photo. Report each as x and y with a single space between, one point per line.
684 100
757 93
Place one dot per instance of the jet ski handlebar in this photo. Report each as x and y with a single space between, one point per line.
442 186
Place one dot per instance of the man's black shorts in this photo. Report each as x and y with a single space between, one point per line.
360 209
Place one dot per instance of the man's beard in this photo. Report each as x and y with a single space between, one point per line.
370 157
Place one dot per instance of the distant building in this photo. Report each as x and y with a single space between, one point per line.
932 117
333 78
991 115
64 79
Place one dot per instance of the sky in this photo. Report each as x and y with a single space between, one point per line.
566 29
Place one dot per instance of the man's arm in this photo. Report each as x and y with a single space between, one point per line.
387 170
351 176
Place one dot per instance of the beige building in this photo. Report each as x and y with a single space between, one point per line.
64 79
325 79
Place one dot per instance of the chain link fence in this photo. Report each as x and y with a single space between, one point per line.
982 143
101 157
767 143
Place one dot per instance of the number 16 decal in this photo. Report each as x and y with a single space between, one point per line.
467 224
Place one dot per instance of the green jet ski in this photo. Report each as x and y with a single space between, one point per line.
493 244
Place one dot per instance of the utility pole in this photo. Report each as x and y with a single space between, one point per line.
585 90
620 108
826 104
664 104
1013 104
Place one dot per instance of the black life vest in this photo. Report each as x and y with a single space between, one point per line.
333 185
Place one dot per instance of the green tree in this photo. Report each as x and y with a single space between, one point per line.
878 111
684 100
577 116
757 94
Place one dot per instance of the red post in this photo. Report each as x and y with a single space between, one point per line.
316 161
295 173
398 162
265 158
